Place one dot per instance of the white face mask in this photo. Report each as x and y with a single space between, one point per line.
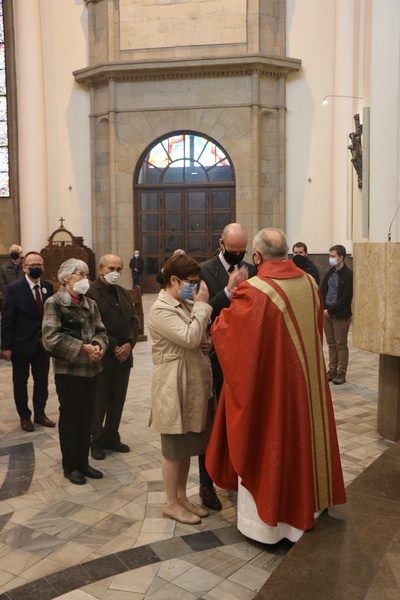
81 286
333 261
113 277
136 255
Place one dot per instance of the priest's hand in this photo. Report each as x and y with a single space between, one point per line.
236 277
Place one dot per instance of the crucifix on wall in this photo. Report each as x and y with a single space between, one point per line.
356 149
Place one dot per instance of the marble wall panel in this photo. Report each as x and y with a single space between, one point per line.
376 297
147 24
178 94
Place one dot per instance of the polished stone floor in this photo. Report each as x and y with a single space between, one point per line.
107 540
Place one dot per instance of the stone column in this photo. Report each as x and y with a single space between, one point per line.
113 165
389 397
31 125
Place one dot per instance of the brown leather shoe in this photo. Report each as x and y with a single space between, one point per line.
45 421
27 425
209 498
340 378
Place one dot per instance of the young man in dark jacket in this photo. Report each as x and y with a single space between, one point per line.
337 293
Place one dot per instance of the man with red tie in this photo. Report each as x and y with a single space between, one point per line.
21 327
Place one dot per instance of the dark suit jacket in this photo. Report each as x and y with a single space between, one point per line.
21 320
216 278
120 321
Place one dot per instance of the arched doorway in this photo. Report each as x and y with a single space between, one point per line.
184 195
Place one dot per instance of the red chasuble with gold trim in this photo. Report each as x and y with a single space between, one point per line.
275 425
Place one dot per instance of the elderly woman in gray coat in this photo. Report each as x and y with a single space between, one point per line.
182 408
73 333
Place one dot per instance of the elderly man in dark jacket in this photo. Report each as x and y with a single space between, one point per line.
12 270
119 317
337 293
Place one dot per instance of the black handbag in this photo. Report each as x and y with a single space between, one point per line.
71 326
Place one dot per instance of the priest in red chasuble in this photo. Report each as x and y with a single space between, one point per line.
274 436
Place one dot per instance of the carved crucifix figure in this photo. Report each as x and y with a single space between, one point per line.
356 149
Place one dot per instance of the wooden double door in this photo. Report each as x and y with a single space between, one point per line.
187 217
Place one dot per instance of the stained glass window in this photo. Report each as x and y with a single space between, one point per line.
4 161
185 158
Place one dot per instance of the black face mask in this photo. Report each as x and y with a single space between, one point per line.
14 255
35 272
300 261
233 259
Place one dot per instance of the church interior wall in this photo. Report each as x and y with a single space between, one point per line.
299 141
343 53
67 116
385 121
310 35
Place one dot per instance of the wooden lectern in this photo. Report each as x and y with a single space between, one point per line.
376 323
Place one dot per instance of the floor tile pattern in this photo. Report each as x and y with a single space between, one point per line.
107 540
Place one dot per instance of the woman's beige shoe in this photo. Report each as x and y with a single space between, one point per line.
195 509
182 516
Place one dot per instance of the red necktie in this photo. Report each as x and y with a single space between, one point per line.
38 299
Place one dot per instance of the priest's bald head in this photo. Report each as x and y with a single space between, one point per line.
269 244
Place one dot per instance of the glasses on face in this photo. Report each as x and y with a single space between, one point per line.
192 282
40 265
81 274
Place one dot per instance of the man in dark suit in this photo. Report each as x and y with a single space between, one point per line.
20 340
119 317
222 274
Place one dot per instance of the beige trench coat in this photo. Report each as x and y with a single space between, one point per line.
182 379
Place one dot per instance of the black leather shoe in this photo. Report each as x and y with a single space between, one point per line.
209 498
27 425
117 447
98 453
75 477
92 473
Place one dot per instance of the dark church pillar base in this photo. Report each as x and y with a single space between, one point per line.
389 397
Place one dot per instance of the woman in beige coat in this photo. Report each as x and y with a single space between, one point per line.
182 408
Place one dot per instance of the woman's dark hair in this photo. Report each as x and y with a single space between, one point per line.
180 265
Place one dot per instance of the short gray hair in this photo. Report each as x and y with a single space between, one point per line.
102 260
271 243
69 267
